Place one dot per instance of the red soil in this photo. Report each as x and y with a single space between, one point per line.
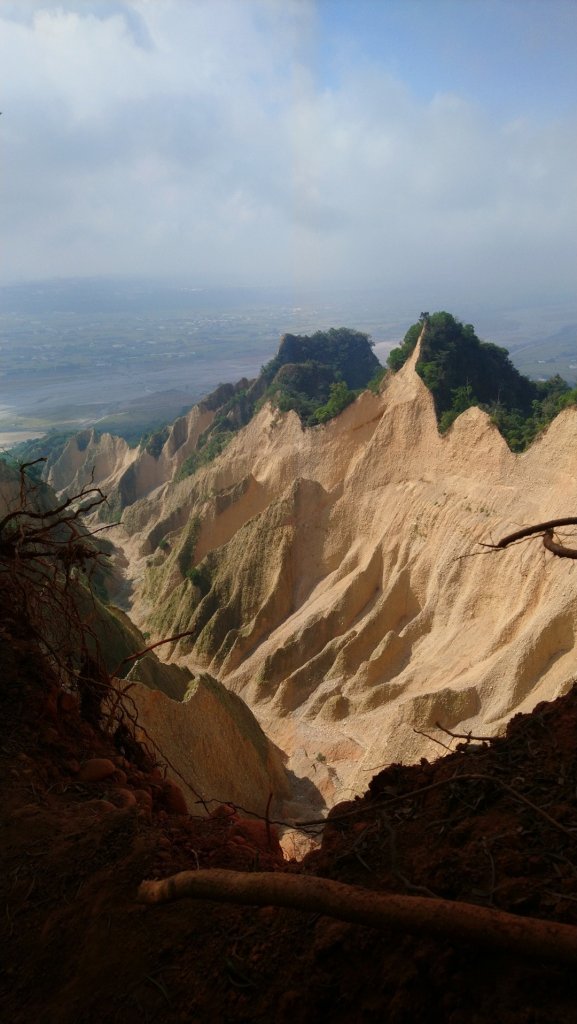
80 835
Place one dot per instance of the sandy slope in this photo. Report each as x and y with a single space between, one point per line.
345 606
199 736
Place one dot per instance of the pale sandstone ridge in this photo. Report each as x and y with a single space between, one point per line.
123 473
214 747
217 751
336 592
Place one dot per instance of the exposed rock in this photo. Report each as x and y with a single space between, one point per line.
216 749
340 604
326 576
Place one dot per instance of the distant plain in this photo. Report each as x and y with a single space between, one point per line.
128 358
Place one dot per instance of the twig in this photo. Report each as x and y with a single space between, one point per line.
464 735
145 650
464 777
267 820
432 738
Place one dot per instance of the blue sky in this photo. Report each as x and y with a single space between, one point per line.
512 57
396 144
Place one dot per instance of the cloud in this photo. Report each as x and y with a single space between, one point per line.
199 139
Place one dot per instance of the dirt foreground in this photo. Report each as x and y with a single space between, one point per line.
83 823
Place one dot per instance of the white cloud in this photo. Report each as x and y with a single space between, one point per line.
161 136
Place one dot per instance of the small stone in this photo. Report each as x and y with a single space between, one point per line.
98 806
124 798
96 769
143 798
68 702
173 799
224 811
28 810
329 933
256 834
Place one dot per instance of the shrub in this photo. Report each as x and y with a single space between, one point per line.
340 397
199 575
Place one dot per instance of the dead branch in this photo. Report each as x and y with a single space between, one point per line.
464 735
450 780
432 739
454 921
546 531
557 549
145 650
551 524
54 513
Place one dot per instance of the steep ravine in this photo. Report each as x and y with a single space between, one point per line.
333 576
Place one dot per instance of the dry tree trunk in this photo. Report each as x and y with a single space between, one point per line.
461 922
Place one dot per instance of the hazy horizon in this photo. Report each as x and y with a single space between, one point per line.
124 355
423 149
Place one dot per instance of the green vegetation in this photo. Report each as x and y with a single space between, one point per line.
554 395
200 576
461 371
301 387
374 384
209 446
316 376
50 446
340 396
154 441
186 554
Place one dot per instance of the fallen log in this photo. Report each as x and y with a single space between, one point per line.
454 921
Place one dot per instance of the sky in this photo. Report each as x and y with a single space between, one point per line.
422 146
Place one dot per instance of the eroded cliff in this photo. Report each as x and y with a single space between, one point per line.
333 576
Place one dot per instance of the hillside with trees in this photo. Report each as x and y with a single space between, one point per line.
316 376
462 371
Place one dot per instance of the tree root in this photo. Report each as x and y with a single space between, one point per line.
455 921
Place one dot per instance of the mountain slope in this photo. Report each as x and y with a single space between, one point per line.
208 737
326 576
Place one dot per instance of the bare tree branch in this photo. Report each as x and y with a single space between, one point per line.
557 549
527 531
